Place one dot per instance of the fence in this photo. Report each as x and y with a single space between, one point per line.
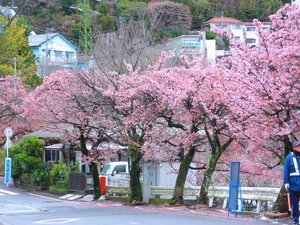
257 194
80 182
122 179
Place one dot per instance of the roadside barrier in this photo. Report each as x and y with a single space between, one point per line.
257 194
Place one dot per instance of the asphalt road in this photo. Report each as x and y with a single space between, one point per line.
20 207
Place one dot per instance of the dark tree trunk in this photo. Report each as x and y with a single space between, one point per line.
181 177
203 199
136 156
96 180
93 167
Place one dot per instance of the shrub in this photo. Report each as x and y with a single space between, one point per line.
59 175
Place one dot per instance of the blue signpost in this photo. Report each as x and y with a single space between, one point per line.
7 177
235 193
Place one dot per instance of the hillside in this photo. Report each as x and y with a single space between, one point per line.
57 14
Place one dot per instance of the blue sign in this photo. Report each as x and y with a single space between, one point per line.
7 171
235 193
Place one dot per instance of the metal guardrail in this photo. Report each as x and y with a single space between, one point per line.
248 193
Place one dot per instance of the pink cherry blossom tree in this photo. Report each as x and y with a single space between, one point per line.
65 105
264 88
11 94
183 111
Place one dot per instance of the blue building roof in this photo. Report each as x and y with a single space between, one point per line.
39 39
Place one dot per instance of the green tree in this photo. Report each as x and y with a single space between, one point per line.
26 158
15 51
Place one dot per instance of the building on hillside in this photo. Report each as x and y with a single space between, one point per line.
241 31
193 45
251 37
234 25
53 52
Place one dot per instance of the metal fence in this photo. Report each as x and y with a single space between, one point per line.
122 179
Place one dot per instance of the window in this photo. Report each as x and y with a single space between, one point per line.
51 155
237 38
251 41
236 26
221 27
58 54
69 55
119 169
250 28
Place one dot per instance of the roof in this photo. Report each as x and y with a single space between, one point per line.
57 146
225 20
44 134
37 40
183 36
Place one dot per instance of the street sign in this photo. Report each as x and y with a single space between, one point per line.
8 132
7 178
8 143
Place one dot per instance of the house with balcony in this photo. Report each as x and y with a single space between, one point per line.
53 52
243 32
234 25
251 37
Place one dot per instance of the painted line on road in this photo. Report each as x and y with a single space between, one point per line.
29 209
41 196
20 211
131 222
56 221
8 192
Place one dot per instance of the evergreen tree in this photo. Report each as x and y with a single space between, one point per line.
15 54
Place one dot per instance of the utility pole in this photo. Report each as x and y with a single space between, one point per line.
15 89
85 30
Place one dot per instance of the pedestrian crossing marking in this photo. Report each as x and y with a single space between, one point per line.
7 192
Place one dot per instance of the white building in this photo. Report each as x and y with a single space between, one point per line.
241 31
296 1
251 37
193 44
234 25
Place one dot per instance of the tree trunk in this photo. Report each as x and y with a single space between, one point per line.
135 172
181 177
93 167
96 180
203 199
281 205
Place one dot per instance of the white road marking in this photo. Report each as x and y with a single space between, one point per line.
41 196
56 221
8 192
27 209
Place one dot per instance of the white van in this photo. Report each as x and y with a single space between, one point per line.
115 168
115 174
